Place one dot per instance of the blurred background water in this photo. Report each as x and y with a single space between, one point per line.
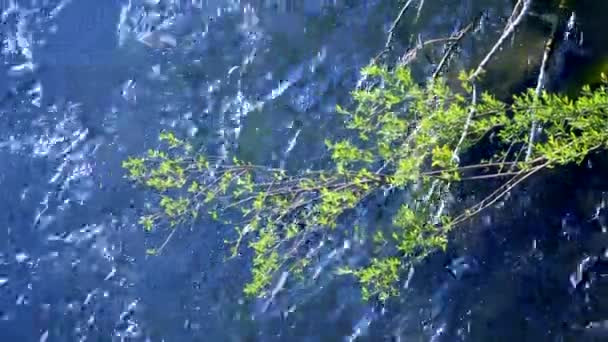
85 83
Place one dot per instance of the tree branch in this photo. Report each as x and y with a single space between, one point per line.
391 31
459 36
510 28
540 84
497 194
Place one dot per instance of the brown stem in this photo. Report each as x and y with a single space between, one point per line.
491 176
497 195
479 166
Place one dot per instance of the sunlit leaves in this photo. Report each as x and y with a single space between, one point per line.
174 207
417 236
170 139
344 153
135 167
379 278
333 203
442 157
147 221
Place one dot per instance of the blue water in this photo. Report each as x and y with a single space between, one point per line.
86 83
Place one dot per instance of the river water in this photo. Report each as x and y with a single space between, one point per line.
85 83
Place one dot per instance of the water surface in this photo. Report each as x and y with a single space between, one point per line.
85 83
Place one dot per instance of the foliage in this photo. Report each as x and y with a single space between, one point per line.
407 137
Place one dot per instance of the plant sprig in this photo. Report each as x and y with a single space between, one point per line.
407 137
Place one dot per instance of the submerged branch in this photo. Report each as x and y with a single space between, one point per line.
540 83
419 11
509 29
396 22
452 47
497 195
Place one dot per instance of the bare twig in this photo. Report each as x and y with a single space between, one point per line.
540 84
467 123
509 29
497 194
499 165
160 249
502 190
491 176
451 48
391 31
465 130
420 5
504 158
410 54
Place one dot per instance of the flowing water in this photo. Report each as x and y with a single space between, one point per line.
85 83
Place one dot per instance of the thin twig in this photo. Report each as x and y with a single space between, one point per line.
540 84
411 53
459 36
514 11
504 159
420 5
467 123
465 130
496 197
391 31
509 29
160 249
479 166
490 176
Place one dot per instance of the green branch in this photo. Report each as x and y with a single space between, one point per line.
413 135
